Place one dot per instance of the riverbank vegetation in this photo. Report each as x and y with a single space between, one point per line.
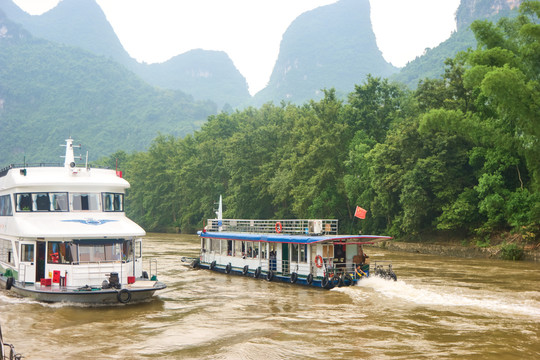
461 153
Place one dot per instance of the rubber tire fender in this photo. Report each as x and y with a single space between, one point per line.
245 270
257 273
309 279
9 282
270 275
294 277
213 265
228 268
120 298
327 283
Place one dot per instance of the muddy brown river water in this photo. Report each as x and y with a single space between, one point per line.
440 308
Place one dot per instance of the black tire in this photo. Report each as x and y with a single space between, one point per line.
245 270
294 277
195 264
123 299
9 282
347 280
213 265
228 268
338 281
309 279
326 283
270 275
257 273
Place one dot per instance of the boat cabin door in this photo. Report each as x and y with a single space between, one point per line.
27 263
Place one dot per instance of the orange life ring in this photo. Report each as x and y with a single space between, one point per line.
318 261
278 227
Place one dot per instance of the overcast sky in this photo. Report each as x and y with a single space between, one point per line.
250 31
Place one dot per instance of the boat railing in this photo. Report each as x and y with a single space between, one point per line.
95 271
5 170
290 226
152 268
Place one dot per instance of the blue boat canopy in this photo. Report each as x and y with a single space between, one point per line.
293 239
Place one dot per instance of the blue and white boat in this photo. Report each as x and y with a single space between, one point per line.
306 252
64 235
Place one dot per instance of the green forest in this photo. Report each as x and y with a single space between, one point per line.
460 154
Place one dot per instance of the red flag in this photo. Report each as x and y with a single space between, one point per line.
360 213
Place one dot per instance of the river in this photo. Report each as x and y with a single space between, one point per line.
440 308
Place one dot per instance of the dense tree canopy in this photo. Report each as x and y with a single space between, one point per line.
460 153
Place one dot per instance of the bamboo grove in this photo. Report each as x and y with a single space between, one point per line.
460 153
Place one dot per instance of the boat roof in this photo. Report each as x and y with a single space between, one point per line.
73 225
294 239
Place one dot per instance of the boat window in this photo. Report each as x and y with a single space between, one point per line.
5 205
249 249
113 202
24 202
100 252
214 245
59 202
303 253
238 246
60 252
27 252
255 250
328 251
85 202
230 248
41 201
6 252
224 247
294 252
127 250
138 249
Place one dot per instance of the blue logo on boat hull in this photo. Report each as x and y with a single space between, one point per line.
90 221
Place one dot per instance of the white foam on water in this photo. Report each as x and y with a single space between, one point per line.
500 302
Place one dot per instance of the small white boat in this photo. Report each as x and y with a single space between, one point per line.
307 252
64 235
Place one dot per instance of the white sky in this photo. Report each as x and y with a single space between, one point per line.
250 31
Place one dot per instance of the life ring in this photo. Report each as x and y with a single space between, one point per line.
228 268
213 265
257 272
245 270
9 282
294 277
279 227
120 296
270 275
310 279
318 261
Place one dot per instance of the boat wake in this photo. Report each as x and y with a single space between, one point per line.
501 303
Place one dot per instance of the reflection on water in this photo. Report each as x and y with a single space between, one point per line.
439 308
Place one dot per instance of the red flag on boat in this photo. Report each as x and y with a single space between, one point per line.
360 213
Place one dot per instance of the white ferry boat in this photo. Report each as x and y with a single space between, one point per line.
307 252
64 235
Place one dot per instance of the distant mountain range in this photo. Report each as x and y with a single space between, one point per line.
80 60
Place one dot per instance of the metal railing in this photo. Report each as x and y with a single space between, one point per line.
290 226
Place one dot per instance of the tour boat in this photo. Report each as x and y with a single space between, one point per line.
64 236
306 252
